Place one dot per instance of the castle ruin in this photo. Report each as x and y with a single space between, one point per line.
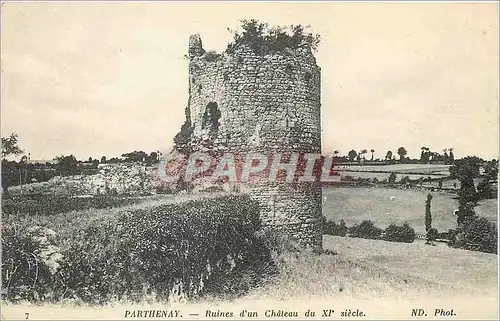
245 102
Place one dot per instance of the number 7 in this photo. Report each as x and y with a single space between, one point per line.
27 314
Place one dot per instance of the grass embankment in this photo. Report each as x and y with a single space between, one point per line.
177 249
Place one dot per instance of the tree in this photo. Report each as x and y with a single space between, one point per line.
484 188
135 156
428 215
103 159
10 146
425 154
446 158
361 155
402 153
335 152
392 178
465 170
388 156
154 157
451 158
428 218
342 228
352 155
67 164
372 151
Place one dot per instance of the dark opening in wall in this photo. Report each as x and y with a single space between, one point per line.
308 76
200 87
211 116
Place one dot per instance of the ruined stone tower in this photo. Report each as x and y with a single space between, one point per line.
262 103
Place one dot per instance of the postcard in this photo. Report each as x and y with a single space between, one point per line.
187 160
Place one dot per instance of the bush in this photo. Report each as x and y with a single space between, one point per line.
42 204
331 228
30 261
479 234
211 56
196 246
263 39
366 229
403 233
432 234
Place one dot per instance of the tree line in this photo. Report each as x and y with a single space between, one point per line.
426 156
27 171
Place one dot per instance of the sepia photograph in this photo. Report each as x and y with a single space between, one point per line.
225 160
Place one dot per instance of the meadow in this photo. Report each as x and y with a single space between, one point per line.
387 205
423 169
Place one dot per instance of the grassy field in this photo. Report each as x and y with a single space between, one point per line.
354 205
424 169
382 176
371 269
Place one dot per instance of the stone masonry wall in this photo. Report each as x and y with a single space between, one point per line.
266 103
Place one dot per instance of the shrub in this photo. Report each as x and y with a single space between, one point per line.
211 55
403 233
331 228
432 234
41 204
392 178
365 229
30 261
479 234
196 245
263 39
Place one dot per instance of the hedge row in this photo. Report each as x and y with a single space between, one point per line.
368 230
161 252
47 204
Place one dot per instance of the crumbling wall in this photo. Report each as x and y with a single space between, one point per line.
265 103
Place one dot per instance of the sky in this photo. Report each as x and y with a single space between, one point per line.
101 78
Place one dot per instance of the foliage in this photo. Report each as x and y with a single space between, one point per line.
484 188
28 273
352 155
432 234
67 163
428 215
331 228
465 170
478 234
10 146
40 204
135 156
263 39
211 55
365 229
182 139
392 178
403 233
150 250
155 247
402 153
